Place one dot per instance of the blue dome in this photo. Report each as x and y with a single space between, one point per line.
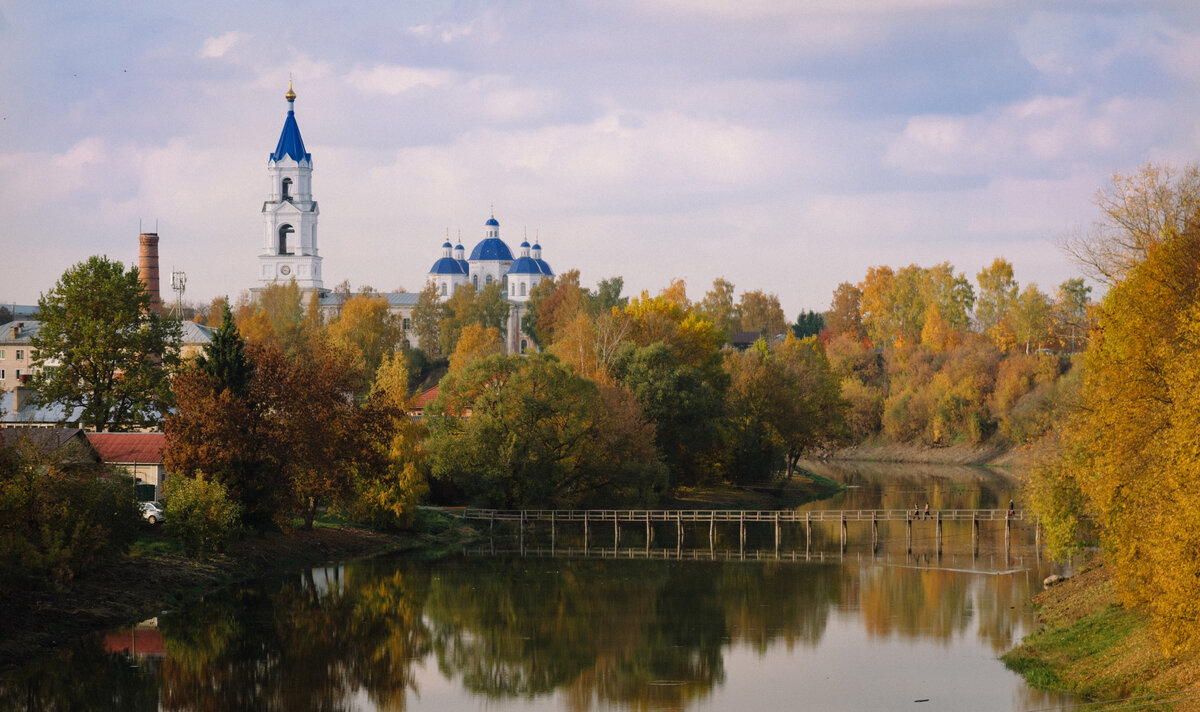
525 265
492 248
447 246
545 268
290 143
491 223
447 265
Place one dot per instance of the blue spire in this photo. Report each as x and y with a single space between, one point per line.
290 143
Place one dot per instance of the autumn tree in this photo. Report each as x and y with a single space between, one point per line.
760 312
276 316
390 480
1072 318
1154 205
553 303
368 332
426 321
845 312
719 308
474 343
998 292
100 347
1129 449
1032 318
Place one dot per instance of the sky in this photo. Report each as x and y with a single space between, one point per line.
783 146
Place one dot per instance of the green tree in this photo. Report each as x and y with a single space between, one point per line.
201 514
607 296
808 323
102 349
540 435
1071 314
225 360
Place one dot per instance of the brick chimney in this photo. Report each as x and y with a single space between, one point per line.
148 268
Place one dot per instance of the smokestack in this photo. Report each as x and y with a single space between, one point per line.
148 268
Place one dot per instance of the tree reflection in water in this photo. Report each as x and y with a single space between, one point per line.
634 634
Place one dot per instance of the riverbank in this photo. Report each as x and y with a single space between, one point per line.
995 454
152 579
1092 646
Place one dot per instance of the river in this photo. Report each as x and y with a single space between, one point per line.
670 626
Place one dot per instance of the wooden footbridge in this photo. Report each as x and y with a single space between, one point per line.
594 518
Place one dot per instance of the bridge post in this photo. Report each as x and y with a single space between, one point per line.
521 531
974 534
616 532
776 533
807 532
742 530
586 516
553 529
712 524
843 532
874 531
908 520
938 534
679 530
1007 532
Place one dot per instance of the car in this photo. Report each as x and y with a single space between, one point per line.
153 512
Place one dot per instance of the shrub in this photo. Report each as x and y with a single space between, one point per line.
201 514
60 519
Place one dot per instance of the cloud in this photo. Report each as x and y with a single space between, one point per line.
393 79
216 47
1040 134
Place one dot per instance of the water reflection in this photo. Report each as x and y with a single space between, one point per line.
845 631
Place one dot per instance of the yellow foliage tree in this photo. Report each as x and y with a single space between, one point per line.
474 343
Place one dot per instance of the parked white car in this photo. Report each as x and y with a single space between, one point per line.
153 512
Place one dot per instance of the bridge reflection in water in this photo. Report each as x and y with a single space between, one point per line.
529 521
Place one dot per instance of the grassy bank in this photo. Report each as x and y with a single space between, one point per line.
155 577
1092 646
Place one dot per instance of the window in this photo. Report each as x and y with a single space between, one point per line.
522 289
489 279
443 289
512 289
284 238
406 322
475 280
2 355
285 193
524 345
20 354
1 374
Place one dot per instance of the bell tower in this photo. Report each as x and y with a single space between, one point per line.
289 249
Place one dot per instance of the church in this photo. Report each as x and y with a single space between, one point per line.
289 249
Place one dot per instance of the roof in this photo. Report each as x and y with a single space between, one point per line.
447 265
129 448
395 299
290 143
492 222
194 333
31 413
492 248
45 439
545 267
424 398
27 328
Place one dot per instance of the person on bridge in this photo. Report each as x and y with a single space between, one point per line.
926 511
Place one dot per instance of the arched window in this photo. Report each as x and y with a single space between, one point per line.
285 193
522 289
524 345
489 279
443 289
475 280
284 232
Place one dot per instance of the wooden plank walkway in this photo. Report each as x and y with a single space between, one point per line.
640 516
524 518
